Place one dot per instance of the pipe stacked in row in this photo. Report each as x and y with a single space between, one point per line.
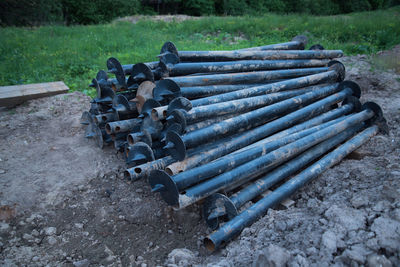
226 126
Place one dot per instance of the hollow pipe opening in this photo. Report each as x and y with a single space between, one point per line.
209 244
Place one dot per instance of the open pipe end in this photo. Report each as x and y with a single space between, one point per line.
127 175
154 115
130 139
209 244
108 129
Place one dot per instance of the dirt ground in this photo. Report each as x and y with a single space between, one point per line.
64 201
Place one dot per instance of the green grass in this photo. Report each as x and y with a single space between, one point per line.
75 54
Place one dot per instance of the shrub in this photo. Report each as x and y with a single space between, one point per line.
198 7
98 11
29 12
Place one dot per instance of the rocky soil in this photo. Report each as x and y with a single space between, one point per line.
63 201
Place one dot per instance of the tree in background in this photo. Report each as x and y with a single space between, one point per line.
38 12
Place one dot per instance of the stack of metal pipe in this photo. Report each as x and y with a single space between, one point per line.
221 128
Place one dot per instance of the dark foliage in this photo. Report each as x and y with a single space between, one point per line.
37 12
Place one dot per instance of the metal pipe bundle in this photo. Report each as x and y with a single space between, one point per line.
250 215
249 117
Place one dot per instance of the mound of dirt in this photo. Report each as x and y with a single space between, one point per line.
65 202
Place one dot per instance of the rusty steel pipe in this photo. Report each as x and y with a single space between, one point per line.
258 55
183 117
239 141
251 169
123 126
217 206
230 144
250 215
232 160
297 43
336 72
246 77
182 69
177 145
160 180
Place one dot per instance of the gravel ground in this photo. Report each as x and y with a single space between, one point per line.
64 201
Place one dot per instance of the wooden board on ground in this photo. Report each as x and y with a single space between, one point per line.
11 96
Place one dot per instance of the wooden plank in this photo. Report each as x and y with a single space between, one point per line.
16 94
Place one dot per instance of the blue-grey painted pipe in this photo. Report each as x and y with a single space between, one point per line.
241 140
250 215
177 145
298 43
165 184
246 77
217 206
182 69
203 91
143 170
328 76
234 143
238 106
190 177
264 163
215 99
258 55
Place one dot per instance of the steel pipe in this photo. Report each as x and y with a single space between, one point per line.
183 117
123 126
264 163
336 72
217 206
239 141
177 145
250 215
159 180
143 170
246 77
182 69
203 91
258 55
297 43
230 144
239 175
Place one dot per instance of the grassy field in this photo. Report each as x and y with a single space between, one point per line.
75 54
